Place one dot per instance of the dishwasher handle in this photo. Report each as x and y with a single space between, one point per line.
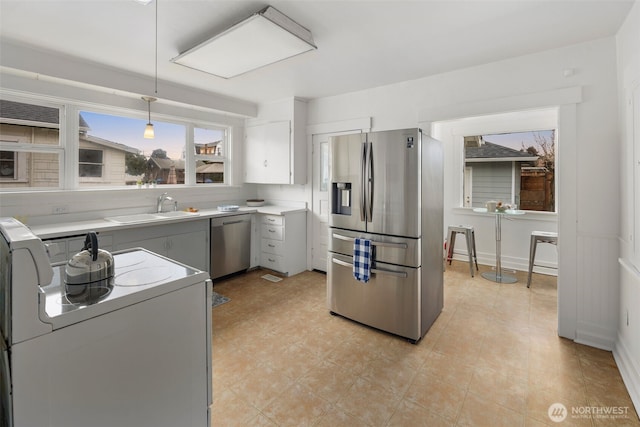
234 222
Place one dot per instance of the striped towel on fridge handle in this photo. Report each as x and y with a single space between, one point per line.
362 259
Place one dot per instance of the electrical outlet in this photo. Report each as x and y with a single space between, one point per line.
57 210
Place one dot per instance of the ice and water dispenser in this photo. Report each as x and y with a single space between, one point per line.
341 203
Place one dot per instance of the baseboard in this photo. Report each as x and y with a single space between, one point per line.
602 340
509 263
629 370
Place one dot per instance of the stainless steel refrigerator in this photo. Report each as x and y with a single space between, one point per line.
387 187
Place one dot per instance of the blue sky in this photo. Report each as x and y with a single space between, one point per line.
515 140
124 130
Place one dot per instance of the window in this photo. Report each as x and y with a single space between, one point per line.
90 163
30 149
38 148
128 157
210 149
8 165
516 168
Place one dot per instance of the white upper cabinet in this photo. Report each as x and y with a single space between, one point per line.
268 153
276 144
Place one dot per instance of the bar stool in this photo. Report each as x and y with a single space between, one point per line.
539 237
470 237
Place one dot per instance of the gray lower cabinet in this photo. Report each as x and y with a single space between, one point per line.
283 242
186 242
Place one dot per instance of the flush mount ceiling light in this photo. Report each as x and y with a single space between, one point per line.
148 130
263 38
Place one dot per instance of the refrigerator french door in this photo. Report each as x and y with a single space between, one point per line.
387 187
375 179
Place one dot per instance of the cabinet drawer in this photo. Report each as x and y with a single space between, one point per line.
275 232
273 219
272 246
274 262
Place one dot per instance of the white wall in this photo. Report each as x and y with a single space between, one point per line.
588 277
627 349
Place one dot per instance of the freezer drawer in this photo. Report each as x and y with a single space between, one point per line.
390 301
387 249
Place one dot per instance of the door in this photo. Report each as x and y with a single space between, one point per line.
395 181
346 161
320 203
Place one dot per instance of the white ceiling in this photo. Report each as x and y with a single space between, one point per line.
361 44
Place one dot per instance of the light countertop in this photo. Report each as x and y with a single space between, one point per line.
64 229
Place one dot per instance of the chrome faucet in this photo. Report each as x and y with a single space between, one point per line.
162 198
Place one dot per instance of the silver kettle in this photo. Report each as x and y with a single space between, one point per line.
90 266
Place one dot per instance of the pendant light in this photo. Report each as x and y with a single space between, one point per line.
148 130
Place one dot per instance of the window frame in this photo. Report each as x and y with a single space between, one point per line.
23 148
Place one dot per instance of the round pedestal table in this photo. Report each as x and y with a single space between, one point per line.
497 275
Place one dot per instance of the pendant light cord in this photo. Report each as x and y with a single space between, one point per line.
156 77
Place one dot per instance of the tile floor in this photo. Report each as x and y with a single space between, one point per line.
491 359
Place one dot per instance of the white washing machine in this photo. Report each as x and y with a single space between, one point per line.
137 355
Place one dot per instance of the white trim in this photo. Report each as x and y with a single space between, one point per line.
358 124
594 336
513 183
537 100
629 370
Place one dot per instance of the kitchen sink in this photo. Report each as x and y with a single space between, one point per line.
176 214
133 218
146 217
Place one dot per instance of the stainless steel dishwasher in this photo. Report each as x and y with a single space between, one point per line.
230 244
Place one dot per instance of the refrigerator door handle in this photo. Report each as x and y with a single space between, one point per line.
369 182
400 274
373 242
363 182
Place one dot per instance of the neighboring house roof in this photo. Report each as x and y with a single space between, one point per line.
20 113
167 163
109 144
490 151
210 168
